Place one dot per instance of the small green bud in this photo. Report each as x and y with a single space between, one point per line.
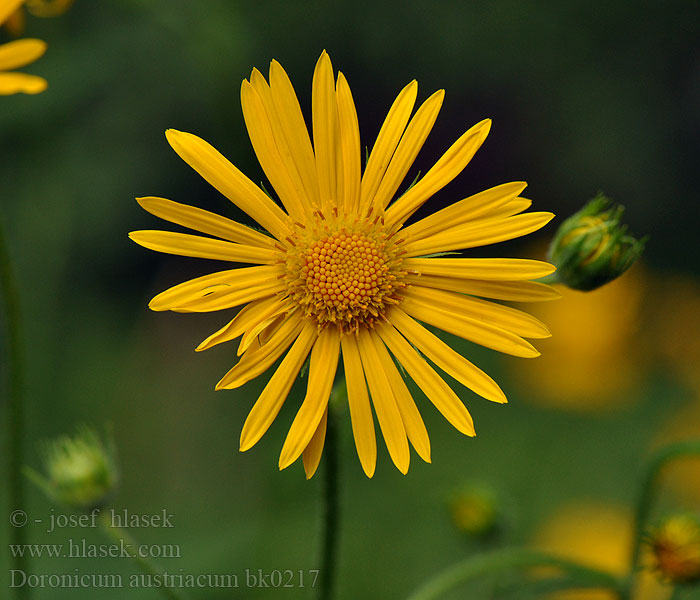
80 471
675 545
591 248
474 511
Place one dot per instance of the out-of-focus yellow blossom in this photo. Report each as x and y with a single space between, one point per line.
48 8
682 477
676 328
14 24
675 545
18 54
597 535
592 361
39 8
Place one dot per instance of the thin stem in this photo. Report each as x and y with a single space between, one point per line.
676 594
15 405
648 492
329 549
501 560
124 539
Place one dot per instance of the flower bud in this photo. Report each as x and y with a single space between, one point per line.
591 248
475 511
80 471
675 545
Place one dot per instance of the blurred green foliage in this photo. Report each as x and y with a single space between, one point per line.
584 96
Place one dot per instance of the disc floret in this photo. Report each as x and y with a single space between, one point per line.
343 273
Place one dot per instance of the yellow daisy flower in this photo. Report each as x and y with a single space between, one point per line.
340 273
18 54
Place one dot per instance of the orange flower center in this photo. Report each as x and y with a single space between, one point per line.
343 273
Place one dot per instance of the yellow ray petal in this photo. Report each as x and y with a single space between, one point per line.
205 222
349 131
184 244
434 387
194 289
360 410
479 233
7 7
445 357
515 291
504 317
258 360
412 421
266 321
19 53
271 328
388 138
221 298
473 330
388 414
498 269
445 170
276 391
20 83
275 165
247 317
312 453
325 127
226 178
510 208
409 147
465 210
324 362
295 131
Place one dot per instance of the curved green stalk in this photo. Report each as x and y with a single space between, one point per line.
511 558
123 538
647 494
15 406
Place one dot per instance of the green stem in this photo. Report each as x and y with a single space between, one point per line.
676 594
648 491
501 560
15 406
124 539
329 548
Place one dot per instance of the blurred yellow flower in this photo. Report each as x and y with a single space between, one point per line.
676 327
682 477
18 54
39 8
597 535
48 8
592 361
675 545
340 272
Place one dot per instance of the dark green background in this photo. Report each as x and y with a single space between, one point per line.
583 96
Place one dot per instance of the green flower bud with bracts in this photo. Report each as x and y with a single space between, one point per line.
81 471
591 248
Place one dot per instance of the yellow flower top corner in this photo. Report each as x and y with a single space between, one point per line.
17 54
